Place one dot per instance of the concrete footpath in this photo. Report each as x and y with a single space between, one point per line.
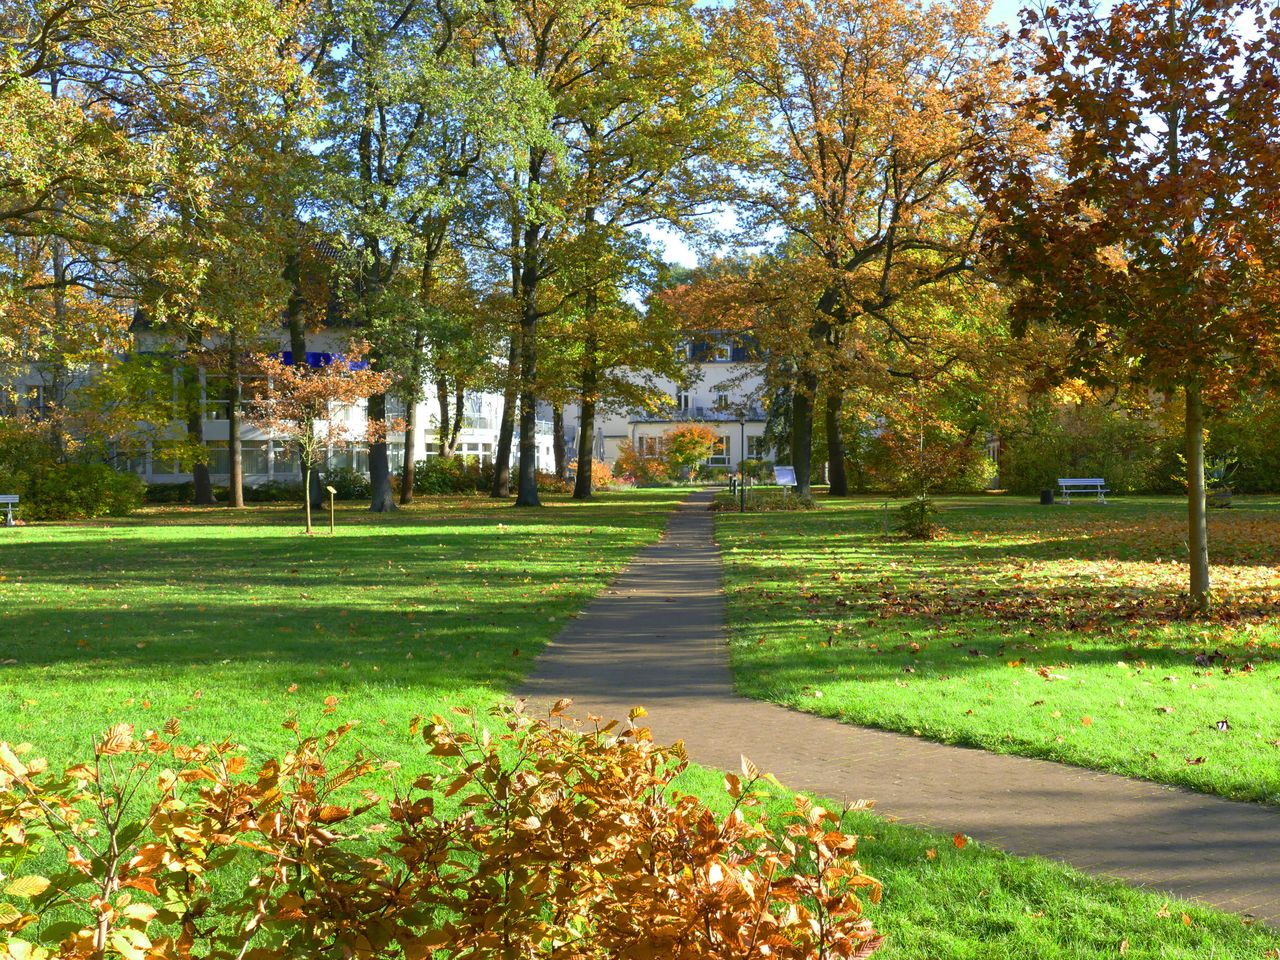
656 638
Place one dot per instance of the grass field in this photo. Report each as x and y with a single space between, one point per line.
234 622
1050 632
233 626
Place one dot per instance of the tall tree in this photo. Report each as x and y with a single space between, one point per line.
1154 233
865 132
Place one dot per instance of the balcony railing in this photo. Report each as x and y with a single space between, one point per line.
702 414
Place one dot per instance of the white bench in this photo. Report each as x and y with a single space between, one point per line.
1094 485
8 501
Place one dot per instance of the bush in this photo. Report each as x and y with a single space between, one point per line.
640 470
274 491
550 483
709 474
444 475
557 837
762 501
184 492
602 477
81 491
349 484
1083 440
916 520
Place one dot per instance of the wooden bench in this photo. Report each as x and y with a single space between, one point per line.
1094 485
9 501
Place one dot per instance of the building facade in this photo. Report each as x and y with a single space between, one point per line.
721 388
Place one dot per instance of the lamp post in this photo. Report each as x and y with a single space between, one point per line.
742 464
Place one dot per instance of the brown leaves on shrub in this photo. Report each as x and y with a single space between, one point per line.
556 843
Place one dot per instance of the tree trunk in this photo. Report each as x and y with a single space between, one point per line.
557 441
1197 527
294 309
527 492
458 396
506 429
200 478
306 479
235 450
802 432
407 470
381 499
836 474
442 434
582 483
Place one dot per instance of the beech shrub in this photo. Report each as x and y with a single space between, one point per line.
542 841
81 491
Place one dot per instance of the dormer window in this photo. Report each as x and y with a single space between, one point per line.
723 352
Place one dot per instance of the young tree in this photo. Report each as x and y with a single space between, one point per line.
304 405
1153 235
687 445
865 131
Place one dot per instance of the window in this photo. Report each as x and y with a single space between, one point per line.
216 406
219 457
359 459
650 446
253 457
723 352
756 449
722 402
284 461
720 452
682 401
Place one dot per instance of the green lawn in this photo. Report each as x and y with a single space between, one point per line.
234 622
1052 632
233 626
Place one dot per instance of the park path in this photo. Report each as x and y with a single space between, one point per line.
657 638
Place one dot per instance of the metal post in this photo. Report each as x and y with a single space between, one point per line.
332 493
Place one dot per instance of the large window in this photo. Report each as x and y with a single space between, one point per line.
682 401
719 452
216 406
219 457
253 457
757 449
650 446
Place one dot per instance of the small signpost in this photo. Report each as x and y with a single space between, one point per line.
332 493
785 477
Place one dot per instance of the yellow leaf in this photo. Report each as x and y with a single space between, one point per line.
27 887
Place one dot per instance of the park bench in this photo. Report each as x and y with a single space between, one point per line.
8 501
1094 485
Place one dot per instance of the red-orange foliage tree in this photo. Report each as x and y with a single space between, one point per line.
299 404
1154 235
860 161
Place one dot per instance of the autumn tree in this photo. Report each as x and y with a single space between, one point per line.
624 84
864 138
1153 233
306 406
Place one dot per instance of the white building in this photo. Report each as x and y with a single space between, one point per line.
724 391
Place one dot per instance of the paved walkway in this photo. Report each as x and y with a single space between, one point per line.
657 638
